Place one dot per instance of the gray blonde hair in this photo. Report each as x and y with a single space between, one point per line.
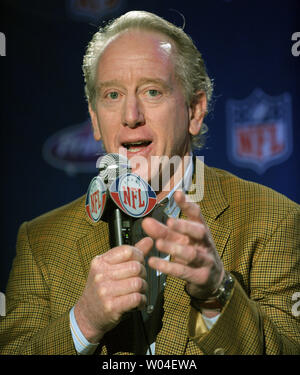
189 65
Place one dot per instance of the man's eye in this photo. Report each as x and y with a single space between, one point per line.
153 93
113 95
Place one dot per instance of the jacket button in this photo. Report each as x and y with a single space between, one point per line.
219 351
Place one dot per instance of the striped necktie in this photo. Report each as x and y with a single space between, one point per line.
155 280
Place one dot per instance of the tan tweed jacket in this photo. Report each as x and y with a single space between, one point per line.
256 232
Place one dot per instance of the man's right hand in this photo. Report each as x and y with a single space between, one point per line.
116 284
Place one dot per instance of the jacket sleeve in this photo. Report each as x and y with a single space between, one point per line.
28 327
263 322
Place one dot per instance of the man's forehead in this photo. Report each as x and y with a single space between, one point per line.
150 51
150 38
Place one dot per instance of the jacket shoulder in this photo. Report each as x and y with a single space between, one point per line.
64 224
251 198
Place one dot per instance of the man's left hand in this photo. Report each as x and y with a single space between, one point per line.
189 242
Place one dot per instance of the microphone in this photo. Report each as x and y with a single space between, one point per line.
118 197
112 166
121 198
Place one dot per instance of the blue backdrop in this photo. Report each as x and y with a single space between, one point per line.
247 46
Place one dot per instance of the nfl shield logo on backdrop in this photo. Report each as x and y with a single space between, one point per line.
259 130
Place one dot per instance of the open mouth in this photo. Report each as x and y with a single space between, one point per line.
136 146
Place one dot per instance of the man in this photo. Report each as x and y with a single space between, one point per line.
234 255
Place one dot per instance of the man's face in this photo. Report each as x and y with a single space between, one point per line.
140 108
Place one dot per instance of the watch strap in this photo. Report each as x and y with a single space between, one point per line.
218 300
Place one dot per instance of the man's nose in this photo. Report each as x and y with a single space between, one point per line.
133 113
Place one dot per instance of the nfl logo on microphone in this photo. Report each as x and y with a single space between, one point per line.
259 130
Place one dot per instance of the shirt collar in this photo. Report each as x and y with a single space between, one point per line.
184 184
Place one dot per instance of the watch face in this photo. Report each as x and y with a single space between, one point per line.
225 288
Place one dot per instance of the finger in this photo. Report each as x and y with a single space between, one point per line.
145 245
129 302
182 271
169 268
183 254
190 209
127 270
157 230
122 254
122 287
194 230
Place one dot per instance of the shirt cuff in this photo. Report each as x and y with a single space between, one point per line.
82 345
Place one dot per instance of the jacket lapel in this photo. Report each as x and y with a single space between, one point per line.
172 338
211 199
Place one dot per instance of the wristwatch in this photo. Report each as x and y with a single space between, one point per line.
218 300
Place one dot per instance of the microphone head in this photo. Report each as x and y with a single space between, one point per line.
133 195
96 199
111 166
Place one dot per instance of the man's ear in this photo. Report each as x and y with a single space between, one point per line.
197 112
95 123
